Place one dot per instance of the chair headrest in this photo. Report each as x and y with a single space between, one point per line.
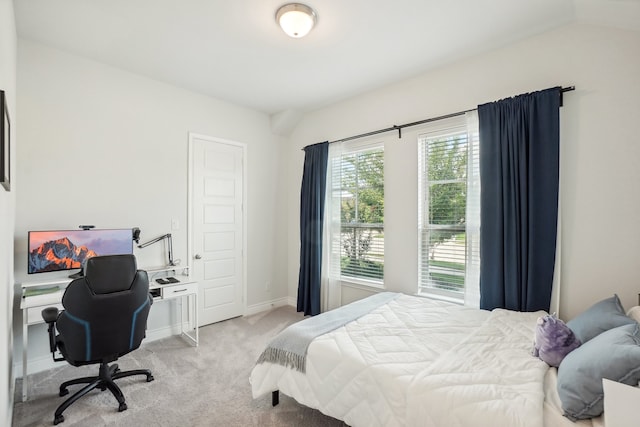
110 273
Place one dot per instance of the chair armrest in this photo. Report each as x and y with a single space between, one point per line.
50 314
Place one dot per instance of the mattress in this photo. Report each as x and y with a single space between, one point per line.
421 362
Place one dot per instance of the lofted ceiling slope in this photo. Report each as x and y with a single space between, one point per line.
234 50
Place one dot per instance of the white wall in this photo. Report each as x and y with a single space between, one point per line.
105 147
7 213
600 152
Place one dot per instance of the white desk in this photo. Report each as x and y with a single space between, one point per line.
32 306
620 402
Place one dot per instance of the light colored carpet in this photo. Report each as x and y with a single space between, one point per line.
203 386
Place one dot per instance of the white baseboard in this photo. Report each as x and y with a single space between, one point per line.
43 363
268 305
36 364
165 332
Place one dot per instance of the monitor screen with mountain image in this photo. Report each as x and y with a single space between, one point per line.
57 250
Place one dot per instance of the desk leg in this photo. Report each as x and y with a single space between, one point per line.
195 315
181 302
25 347
192 317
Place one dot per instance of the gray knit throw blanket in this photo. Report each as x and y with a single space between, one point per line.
289 347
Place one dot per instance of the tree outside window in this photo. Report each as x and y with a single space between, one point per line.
362 214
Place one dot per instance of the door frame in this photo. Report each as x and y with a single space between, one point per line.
190 221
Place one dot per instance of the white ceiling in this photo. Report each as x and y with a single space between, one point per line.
233 49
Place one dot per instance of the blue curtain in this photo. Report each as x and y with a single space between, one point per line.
519 168
312 195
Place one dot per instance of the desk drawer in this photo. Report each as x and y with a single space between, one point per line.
34 314
179 289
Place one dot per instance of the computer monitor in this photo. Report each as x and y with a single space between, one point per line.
56 250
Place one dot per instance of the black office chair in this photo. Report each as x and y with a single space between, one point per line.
104 317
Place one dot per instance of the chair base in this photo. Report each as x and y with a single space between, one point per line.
104 380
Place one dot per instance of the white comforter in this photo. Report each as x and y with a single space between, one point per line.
420 362
489 375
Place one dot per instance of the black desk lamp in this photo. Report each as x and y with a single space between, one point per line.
169 246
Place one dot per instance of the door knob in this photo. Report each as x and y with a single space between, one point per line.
198 256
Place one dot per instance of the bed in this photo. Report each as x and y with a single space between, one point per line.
415 361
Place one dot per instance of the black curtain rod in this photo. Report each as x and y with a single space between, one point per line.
420 122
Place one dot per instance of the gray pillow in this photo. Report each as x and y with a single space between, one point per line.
598 318
614 355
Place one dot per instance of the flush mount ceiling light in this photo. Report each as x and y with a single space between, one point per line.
296 19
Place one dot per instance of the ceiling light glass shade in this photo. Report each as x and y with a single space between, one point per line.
296 19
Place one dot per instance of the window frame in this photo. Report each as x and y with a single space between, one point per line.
337 248
441 131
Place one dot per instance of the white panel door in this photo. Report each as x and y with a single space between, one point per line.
217 194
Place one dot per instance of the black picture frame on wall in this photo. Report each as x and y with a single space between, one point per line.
5 143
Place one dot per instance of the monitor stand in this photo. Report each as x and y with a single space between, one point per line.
77 275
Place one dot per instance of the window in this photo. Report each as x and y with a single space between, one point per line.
357 201
449 211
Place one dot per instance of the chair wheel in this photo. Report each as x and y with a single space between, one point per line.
102 387
150 378
122 407
63 392
58 419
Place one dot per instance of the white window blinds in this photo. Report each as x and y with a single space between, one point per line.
449 211
357 189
